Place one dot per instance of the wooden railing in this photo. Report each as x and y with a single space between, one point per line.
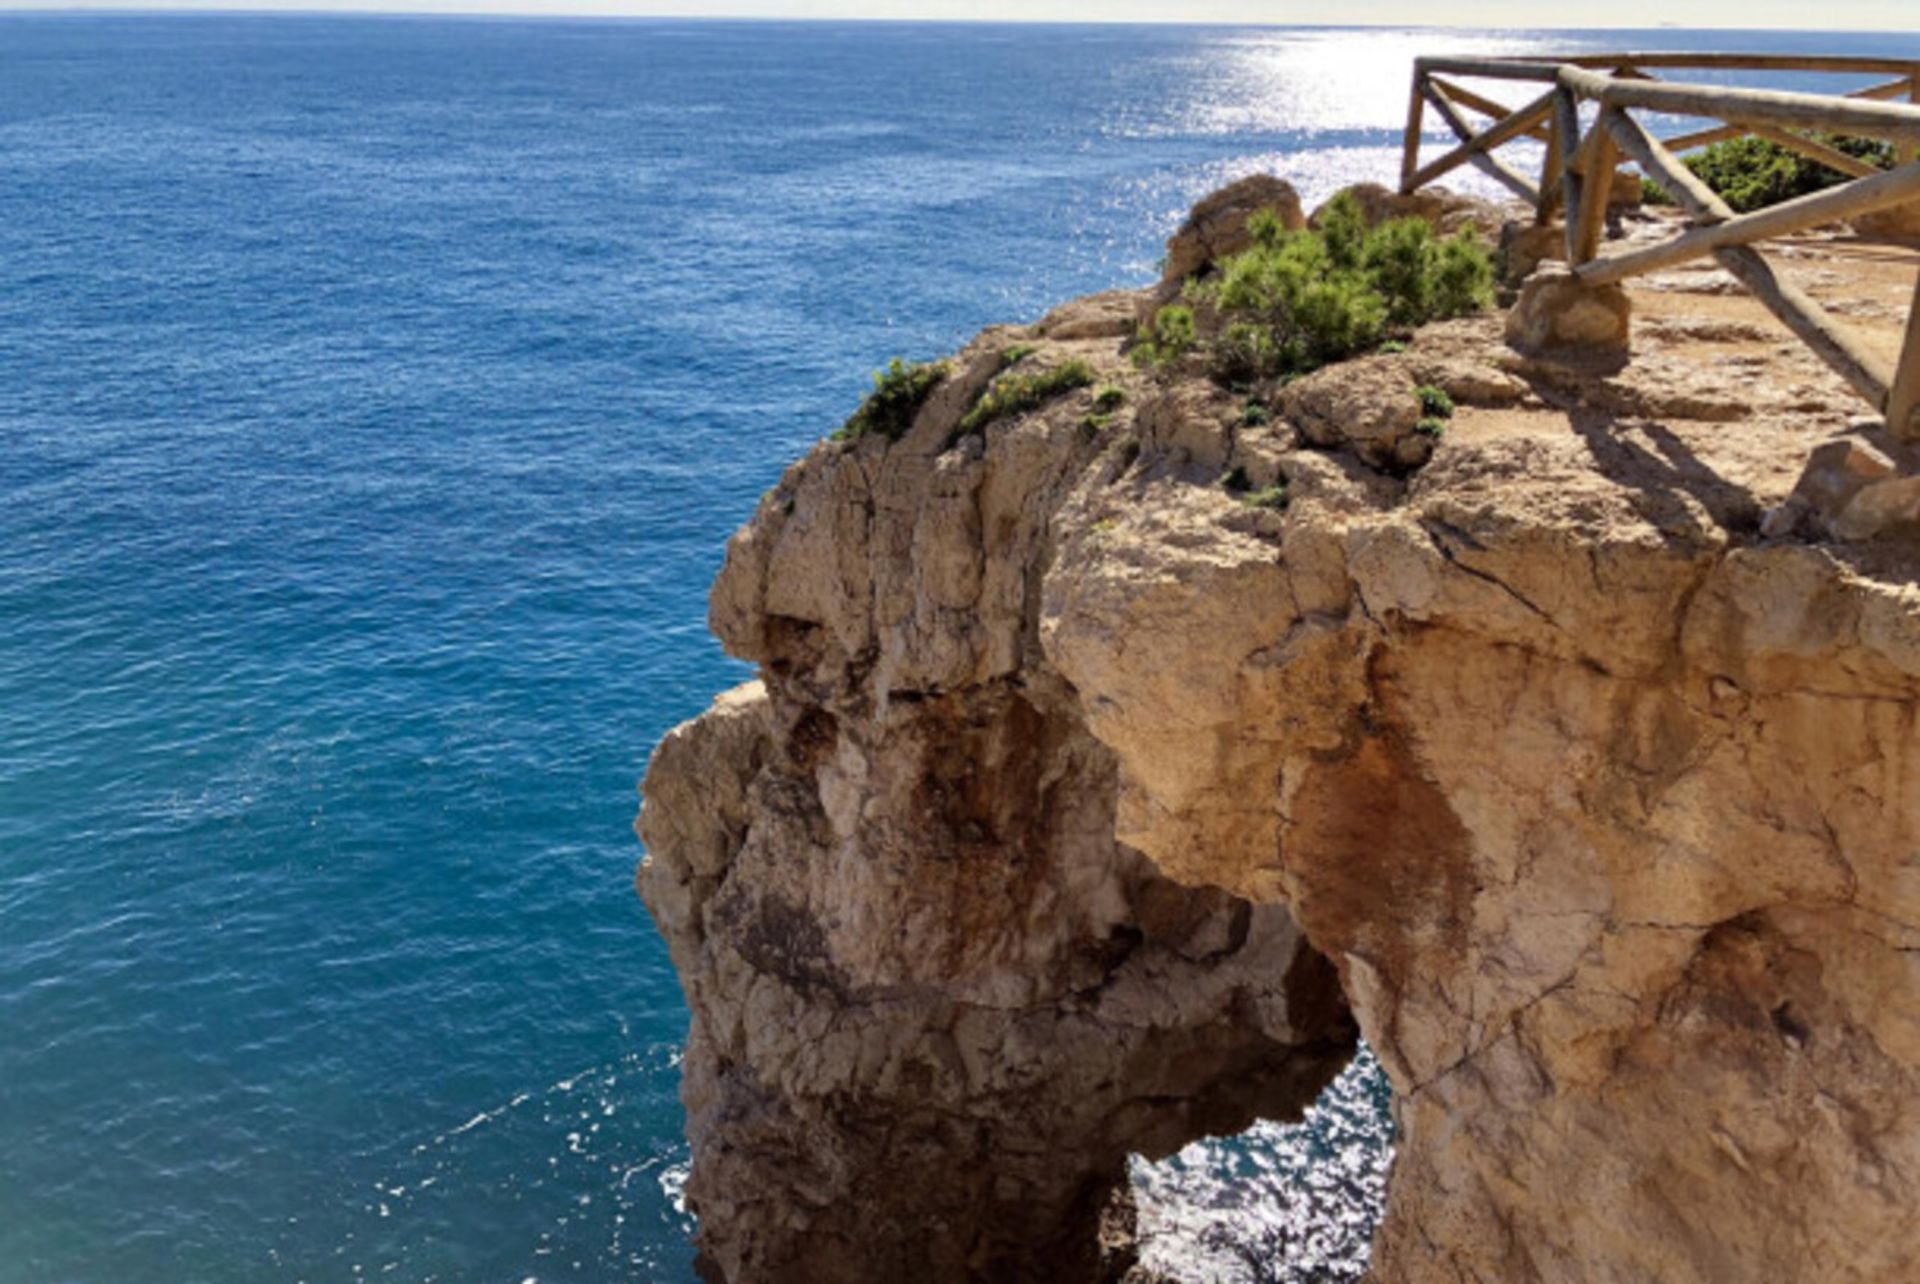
1583 152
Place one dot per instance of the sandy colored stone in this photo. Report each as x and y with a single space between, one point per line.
1525 245
1900 223
1556 313
1217 226
1080 799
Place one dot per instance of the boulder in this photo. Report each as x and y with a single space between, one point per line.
1557 314
1217 226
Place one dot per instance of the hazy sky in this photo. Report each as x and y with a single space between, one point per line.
1871 15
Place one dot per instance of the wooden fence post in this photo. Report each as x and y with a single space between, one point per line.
1416 118
1596 186
1903 396
1566 120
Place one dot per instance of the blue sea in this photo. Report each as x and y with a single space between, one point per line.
375 398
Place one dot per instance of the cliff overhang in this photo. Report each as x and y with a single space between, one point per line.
1108 769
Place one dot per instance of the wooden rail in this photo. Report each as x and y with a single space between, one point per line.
1584 148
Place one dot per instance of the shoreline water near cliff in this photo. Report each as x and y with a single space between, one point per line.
379 396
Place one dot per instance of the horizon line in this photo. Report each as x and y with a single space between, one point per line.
585 15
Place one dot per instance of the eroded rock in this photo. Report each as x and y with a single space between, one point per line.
1558 314
1217 226
1081 796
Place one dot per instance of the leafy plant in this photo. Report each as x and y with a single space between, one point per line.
1434 402
1013 394
1017 353
1274 497
1170 336
1255 414
1296 300
1432 426
1752 173
898 393
1109 399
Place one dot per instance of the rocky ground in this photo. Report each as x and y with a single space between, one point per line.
1084 806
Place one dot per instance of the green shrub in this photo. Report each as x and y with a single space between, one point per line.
1255 414
1434 402
1432 426
898 393
1294 301
1752 173
1109 399
1013 394
1167 339
1017 353
1274 497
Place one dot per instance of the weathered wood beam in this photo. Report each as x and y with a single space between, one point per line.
1552 193
1566 124
1720 133
1410 144
1670 60
1492 68
1894 187
1520 122
1913 97
1895 122
1705 137
1903 396
1488 107
1832 157
1480 160
1863 370
1885 89
1587 225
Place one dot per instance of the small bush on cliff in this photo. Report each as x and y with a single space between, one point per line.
898 393
1274 497
1752 173
1296 300
1013 394
1435 403
1169 338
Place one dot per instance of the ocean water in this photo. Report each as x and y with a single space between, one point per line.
375 397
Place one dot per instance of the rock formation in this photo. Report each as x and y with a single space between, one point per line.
1080 799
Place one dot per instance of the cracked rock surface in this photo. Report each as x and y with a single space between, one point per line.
1081 800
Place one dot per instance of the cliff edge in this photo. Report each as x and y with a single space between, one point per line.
1113 761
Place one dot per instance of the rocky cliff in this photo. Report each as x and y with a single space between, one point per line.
1109 765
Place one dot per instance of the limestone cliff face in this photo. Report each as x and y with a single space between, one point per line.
1080 799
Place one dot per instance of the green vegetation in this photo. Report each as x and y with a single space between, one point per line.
1109 399
1434 402
1436 407
1169 338
1752 173
898 393
1295 301
1017 353
1013 394
1255 414
1239 484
